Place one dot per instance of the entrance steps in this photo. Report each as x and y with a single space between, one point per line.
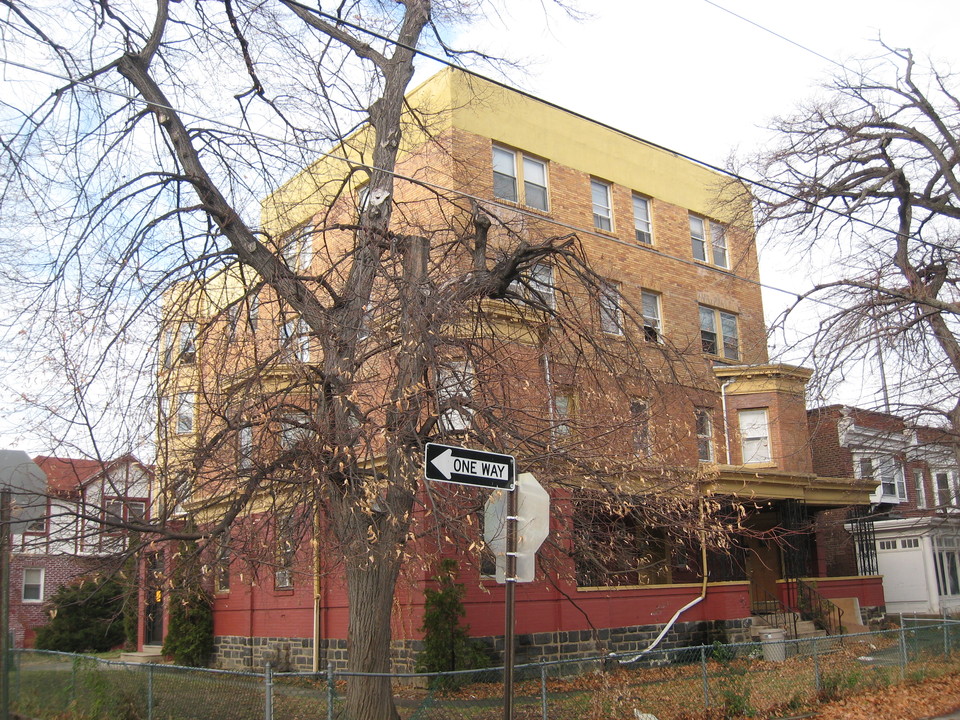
149 654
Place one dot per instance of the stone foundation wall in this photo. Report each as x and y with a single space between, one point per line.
296 654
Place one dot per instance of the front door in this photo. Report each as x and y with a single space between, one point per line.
763 571
153 607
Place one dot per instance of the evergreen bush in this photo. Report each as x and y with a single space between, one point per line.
189 638
86 616
446 643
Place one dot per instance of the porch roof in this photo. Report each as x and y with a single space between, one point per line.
744 483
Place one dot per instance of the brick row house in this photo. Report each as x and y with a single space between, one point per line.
71 540
707 410
913 521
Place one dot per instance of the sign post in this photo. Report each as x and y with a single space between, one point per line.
510 603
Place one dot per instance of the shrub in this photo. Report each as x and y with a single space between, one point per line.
446 643
86 616
189 638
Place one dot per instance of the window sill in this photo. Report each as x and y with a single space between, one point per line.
521 206
765 465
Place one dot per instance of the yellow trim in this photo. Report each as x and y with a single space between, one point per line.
660 586
814 580
747 380
745 484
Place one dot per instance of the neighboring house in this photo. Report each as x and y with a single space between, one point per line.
914 518
72 539
734 426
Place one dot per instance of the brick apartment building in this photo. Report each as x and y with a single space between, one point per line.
912 528
709 409
66 544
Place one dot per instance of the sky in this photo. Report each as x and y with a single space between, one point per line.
688 75
692 76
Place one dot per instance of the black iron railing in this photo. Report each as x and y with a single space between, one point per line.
774 612
813 606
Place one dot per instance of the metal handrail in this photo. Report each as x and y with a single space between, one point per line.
823 612
783 617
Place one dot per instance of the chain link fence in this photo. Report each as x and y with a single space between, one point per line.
775 678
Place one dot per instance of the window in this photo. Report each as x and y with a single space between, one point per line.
185 413
909 543
532 178
120 510
32 585
704 434
651 316
295 429
920 488
295 340
698 238
286 549
943 488
602 208
565 408
245 448
946 565
716 242
754 436
253 312
616 549
454 388
887 473
188 343
37 526
611 316
168 340
298 251
719 334
641 220
221 578
233 322
887 544
541 285
640 422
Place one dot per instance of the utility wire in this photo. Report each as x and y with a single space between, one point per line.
505 86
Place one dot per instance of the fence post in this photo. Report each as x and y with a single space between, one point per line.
817 682
331 690
543 688
706 680
268 692
903 650
149 691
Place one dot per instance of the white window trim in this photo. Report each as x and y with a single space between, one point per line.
611 308
652 324
708 242
698 238
920 489
606 208
706 437
880 463
186 413
719 252
455 382
41 584
520 162
721 338
642 226
754 426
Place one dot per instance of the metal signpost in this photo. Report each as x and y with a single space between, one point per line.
515 501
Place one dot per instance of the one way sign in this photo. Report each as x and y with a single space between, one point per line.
444 463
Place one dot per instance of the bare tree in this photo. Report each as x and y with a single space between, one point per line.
427 317
867 177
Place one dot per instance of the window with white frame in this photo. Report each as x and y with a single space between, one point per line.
168 347
253 312
708 240
946 564
221 578
565 408
245 448
704 425
513 171
944 488
920 488
885 471
640 422
33 585
611 314
641 220
286 532
298 250
455 383
185 413
538 285
295 428
719 334
232 316
650 302
295 340
602 205
754 436
188 343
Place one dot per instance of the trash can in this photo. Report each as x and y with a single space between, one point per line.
774 644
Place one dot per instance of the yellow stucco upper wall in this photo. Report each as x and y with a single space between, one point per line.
560 136
453 98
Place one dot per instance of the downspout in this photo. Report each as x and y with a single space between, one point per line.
695 601
317 589
726 425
